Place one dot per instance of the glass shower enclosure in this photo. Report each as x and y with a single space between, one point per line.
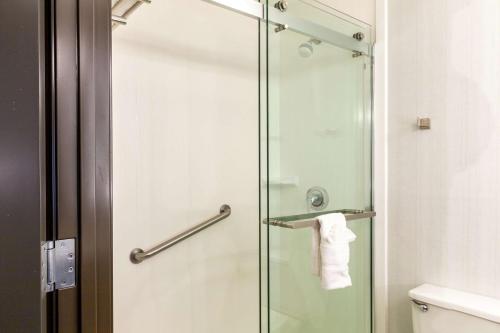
316 74
183 89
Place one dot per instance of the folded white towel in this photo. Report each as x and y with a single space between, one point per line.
330 251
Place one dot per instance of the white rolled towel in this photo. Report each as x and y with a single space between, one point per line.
330 251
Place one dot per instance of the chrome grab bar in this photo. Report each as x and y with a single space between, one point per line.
309 220
139 255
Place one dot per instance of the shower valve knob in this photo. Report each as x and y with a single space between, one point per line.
317 198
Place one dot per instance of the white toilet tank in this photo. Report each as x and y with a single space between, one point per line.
442 310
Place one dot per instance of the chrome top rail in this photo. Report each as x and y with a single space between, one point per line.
139 255
308 220
317 31
256 10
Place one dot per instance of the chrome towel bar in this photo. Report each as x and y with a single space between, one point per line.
308 220
139 255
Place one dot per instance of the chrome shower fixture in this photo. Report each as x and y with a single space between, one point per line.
281 5
281 27
359 36
317 198
307 49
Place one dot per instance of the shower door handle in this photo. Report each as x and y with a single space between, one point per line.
139 255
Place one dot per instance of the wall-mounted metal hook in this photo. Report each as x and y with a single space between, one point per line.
424 123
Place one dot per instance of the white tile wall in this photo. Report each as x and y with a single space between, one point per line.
444 184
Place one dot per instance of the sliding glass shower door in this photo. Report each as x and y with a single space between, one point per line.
316 158
186 139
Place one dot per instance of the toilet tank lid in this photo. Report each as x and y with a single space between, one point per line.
472 304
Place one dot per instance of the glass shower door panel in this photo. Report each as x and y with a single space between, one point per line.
185 126
319 137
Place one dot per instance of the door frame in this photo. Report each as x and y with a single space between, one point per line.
95 148
78 43
81 92
55 145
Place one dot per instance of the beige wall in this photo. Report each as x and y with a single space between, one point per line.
444 184
185 141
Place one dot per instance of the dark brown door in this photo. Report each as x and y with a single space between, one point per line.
23 188
55 162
